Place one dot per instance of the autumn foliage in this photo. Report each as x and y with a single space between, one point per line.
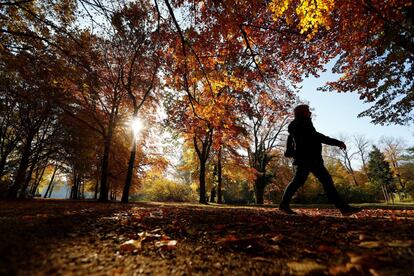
213 82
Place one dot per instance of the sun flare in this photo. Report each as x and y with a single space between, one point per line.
136 126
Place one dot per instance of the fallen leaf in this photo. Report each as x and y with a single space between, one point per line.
165 238
130 246
374 272
42 215
338 270
262 259
117 271
305 267
400 243
138 217
369 260
371 244
277 238
124 222
275 247
217 265
148 236
167 244
347 269
356 259
364 237
156 214
227 239
328 249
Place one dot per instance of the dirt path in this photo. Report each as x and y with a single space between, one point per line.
52 237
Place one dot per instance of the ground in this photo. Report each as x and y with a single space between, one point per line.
55 237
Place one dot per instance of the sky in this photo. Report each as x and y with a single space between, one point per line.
337 113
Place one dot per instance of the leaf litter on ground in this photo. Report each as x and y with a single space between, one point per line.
165 239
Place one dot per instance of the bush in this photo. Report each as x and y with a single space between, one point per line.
237 192
313 192
359 194
162 189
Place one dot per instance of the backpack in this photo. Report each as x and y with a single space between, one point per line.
290 147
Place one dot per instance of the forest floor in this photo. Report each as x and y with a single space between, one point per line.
61 237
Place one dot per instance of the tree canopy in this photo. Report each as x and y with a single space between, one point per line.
221 76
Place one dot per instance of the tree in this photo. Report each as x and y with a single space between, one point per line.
35 112
35 36
228 71
373 44
362 144
82 152
265 126
51 183
228 158
394 150
380 174
94 94
281 171
247 55
347 156
251 47
139 48
9 138
38 21
407 171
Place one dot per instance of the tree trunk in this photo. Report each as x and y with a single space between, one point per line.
384 191
79 186
51 190
392 197
97 180
2 165
112 194
27 180
202 180
203 157
6 152
21 172
219 178
127 186
348 166
74 191
50 182
259 189
95 196
401 192
103 193
37 182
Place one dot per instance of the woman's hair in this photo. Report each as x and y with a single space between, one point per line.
301 111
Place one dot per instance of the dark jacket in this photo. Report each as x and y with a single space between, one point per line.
304 143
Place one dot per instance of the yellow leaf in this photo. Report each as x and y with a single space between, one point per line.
371 244
130 246
305 267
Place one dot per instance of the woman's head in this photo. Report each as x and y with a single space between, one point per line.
302 111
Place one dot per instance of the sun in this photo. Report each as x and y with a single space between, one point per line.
136 126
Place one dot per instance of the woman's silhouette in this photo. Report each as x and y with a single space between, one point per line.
304 144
